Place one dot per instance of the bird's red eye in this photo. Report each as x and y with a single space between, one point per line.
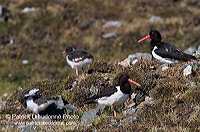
152 32
125 76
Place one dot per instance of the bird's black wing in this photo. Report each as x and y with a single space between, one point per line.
166 50
104 93
43 99
79 55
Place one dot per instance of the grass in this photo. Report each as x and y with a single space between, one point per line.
40 37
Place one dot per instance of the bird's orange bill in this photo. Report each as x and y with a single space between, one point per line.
131 81
16 102
64 52
148 36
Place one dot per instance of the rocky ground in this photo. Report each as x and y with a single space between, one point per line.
34 34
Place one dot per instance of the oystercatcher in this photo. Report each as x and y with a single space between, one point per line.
77 58
165 52
40 104
114 95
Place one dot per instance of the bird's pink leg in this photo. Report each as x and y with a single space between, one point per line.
77 72
115 113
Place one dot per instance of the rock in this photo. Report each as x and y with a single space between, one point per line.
12 41
188 70
197 53
28 9
85 25
2 104
129 111
109 35
5 95
147 98
31 128
129 119
155 19
133 95
193 64
145 56
165 68
133 58
191 84
90 116
25 62
112 23
190 50
93 89
70 108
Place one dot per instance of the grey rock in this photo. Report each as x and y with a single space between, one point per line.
155 19
25 62
193 64
145 56
198 48
188 70
31 128
147 98
2 104
85 25
28 9
70 108
93 89
9 75
90 116
133 58
12 41
129 119
190 50
5 95
112 23
129 111
191 84
110 35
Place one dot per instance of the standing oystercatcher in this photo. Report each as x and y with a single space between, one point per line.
77 58
40 104
115 95
165 52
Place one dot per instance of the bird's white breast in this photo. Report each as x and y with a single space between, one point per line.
115 99
79 64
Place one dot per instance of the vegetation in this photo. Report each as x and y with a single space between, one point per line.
41 35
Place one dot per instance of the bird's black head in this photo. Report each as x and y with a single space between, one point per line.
123 78
26 94
155 35
68 49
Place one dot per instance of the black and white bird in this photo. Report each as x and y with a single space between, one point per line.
165 52
115 95
77 59
40 104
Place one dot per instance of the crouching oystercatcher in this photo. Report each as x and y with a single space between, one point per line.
41 104
114 95
77 58
165 52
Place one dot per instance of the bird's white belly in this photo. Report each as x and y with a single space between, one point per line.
161 59
116 99
80 64
31 105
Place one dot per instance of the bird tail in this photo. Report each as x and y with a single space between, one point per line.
187 57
